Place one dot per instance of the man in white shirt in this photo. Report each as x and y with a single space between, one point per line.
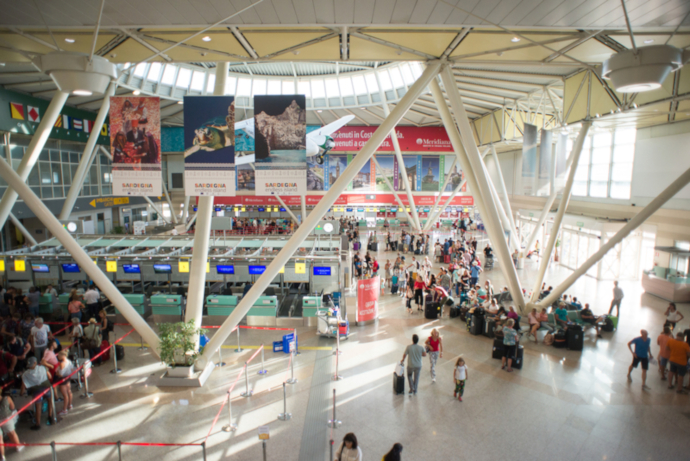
40 334
35 380
617 298
91 298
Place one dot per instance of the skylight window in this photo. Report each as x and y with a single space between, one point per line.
396 77
169 75
230 85
303 88
346 87
154 71
140 70
244 87
317 88
183 77
259 87
371 83
210 85
359 84
407 73
385 80
288 87
332 89
273 87
198 81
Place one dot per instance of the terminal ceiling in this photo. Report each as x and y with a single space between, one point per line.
513 60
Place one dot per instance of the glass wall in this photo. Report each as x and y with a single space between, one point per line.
52 176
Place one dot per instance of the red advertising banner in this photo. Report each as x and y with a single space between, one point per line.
411 139
344 199
391 214
368 299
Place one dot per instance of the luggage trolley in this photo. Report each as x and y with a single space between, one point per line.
330 324
489 264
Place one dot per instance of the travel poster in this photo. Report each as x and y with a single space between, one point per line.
430 173
387 164
135 142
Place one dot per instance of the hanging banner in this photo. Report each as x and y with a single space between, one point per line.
387 164
410 169
410 138
368 299
545 153
396 173
135 145
315 174
336 167
209 141
280 127
454 173
430 176
529 158
561 151
362 181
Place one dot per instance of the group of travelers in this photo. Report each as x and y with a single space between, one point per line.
350 450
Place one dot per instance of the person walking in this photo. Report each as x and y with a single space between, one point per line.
460 377
349 449
672 316
617 298
394 454
679 353
414 353
641 355
434 346
664 353
7 410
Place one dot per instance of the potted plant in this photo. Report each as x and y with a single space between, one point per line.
178 347
555 256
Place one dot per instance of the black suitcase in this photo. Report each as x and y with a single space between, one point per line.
489 327
374 246
559 339
417 251
574 338
394 246
454 312
517 360
477 326
498 350
398 384
120 352
394 289
432 310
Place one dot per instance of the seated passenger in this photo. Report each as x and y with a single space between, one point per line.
587 316
534 324
561 316
544 320
576 304
514 315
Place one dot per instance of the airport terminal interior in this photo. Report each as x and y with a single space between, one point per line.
356 230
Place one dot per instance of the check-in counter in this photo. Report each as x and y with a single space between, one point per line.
167 307
221 305
63 302
138 302
263 312
45 305
671 288
310 305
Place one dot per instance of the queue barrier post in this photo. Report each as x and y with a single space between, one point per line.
247 392
220 358
119 450
203 449
284 416
334 423
52 450
52 402
263 369
292 379
115 369
239 346
84 373
294 336
142 347
263 446
230 427
331 446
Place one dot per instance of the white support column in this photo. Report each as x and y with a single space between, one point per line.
390 186
547 206
157 210
512 238
565 199
440 195
185 209
30 238
88 155
173 215
197 271
280 200
33 151
635 222
471 163
320 209
398 155
503 190
191 222
303 202
80 256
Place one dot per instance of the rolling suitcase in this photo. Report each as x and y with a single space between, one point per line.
489 327
374 246
431 310
120 352
394 246
477 326
398 384
517 360
498 350
355 246
394 288
454 312
574 338
446 259
559 339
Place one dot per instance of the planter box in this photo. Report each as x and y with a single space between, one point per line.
180 372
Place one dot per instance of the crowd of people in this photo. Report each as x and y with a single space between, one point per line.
350 450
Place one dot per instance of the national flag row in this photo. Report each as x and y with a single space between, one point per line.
33 114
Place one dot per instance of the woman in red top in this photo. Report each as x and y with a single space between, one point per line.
435 349
419 287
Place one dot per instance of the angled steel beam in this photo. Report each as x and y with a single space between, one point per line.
80 256
30 238
504 190
471 162
292 215
565 199
440 194
33 151
167 197
390 186
319 211
635 222
512 238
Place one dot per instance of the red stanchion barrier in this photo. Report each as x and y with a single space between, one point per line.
100 444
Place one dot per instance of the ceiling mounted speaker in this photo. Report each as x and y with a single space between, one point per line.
73 72
644 70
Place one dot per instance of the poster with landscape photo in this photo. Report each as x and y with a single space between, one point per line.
335 166
430 173
410 169
315 175
280 129
362 180
387 164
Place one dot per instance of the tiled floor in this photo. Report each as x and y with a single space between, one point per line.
562 405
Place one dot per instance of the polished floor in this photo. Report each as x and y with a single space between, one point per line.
562 405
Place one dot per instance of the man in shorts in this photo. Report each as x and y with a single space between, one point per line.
664 354
587 316
35 380
640 355
679 352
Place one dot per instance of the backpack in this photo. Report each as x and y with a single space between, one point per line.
548 339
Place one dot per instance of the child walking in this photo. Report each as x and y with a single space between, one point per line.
460 378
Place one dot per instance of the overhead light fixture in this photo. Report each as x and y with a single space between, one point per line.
206 39
75 73
363 108
647 42
70 40
515 39
643 69
136 92
82 93
180 102
319 111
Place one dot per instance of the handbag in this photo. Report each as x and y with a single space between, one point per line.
92 343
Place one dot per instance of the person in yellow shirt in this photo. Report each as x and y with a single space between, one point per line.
679 352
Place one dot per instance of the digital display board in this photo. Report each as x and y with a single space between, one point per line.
71 268
256 270
40 268
225 269
131 269
322 270
162 268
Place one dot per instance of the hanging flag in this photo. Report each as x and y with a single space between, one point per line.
34 113
135 146
77 124
65 122
58 123
88 126
104 130
17 110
